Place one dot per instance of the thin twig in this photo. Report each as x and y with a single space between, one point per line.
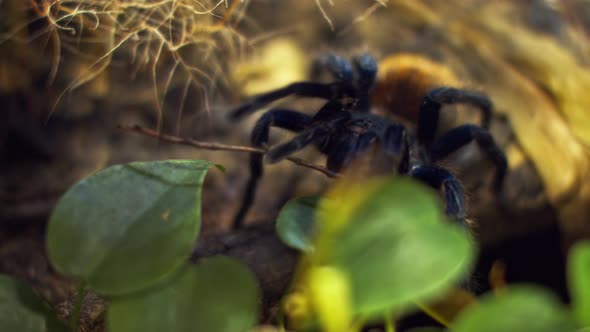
76 309
301 162
228 12
220 146
191 142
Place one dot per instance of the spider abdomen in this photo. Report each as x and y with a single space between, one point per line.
404 79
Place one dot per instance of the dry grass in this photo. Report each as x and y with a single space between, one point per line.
179 42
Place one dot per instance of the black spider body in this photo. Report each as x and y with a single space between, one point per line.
344 127
337 134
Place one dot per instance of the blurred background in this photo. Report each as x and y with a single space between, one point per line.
71 72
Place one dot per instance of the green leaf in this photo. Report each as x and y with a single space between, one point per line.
579 281
218 295
22 310
398 248
295 223
520 308
128 227
220 167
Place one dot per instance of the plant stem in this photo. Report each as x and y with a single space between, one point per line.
220 146
281 319
389 324
77 306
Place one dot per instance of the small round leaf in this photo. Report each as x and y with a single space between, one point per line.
22 310
398 248
579 281
129 226
218 294
296 221
521 308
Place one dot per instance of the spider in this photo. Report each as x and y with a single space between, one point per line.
344 127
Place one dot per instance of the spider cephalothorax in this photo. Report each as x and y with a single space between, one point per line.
344 127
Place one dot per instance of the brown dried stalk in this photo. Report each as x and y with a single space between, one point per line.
220 146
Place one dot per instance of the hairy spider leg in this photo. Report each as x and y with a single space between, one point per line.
394 139
366 68
441 179
346 147
339 68
458 137
302 89
300 141
324 123
434 100
332 113
346 85
395 142
281 118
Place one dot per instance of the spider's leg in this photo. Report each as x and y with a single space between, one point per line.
364 141
285 119
439 178
300 141
333 114
462 135
404 164
394 139
436 98
395 142
346 148
366 68
338 149
338 67
303 89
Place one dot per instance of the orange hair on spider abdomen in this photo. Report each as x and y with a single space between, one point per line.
404 79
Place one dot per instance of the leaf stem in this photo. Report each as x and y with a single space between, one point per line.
389 324
77 306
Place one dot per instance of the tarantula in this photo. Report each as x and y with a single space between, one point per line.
344 128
